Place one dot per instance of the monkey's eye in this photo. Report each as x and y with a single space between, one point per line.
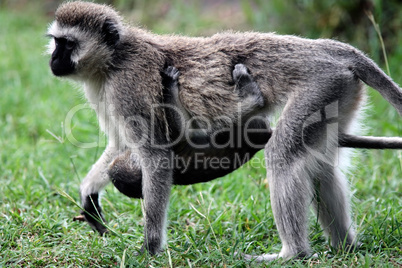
70 45
65 43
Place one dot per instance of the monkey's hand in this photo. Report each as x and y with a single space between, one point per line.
170 75
93 214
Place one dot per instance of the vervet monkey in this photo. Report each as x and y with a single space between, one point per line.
120 67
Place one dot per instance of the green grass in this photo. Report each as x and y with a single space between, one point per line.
40 168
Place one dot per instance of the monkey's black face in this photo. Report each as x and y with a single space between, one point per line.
61 63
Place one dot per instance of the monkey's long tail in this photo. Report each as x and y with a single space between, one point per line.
368 142
368 71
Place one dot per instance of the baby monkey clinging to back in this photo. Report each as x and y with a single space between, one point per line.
314 81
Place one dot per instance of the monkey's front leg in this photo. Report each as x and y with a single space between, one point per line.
157 181
93 183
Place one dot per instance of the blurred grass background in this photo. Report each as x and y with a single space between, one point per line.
207 222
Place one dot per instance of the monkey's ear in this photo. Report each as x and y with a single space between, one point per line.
110 32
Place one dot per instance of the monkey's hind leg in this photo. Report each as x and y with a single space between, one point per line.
288 171
332 195
331 203
291 192
293 155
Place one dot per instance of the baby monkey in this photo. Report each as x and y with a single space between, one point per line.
194 163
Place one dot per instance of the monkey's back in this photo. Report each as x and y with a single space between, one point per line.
276 62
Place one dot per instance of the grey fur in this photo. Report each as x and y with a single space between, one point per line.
250 101
121 66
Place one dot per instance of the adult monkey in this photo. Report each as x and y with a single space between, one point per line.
120 66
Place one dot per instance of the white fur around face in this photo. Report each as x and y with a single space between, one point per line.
82 39
71 33
51 46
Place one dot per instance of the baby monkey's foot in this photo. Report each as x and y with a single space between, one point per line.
240 71
247 88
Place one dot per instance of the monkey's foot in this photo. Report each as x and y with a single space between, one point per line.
260 258
272 257
239 71
150 249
